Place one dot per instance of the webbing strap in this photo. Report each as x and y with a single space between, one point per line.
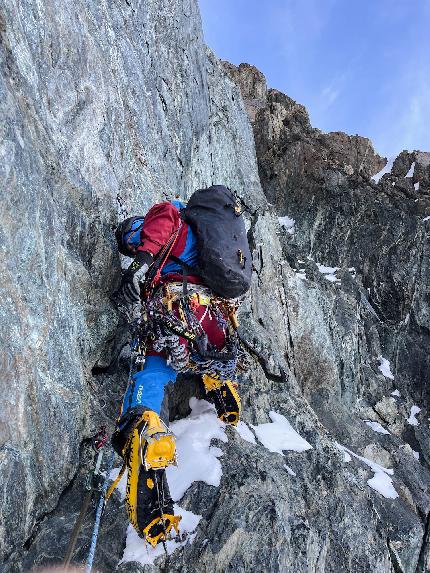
154 271
163 257
116 482
186 270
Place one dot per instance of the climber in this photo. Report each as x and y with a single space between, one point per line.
188 281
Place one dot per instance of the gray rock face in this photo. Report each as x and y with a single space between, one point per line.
376 301
106 108
109 107
252 86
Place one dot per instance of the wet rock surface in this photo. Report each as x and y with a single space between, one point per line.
107 108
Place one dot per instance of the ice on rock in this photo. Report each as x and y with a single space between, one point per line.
412 417
410 173
346 457
383 484
386 169
301 275
198 461
332 278
327 270
381 481
384 367
279 435
329 273
197 458
287 224
376 427
289 470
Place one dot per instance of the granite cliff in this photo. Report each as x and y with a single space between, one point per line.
109 107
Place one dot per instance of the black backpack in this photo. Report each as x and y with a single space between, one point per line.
225 262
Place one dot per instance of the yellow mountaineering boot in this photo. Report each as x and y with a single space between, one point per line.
225 397
149 450
157 442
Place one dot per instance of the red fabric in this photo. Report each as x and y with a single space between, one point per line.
161 221
210 325
177 278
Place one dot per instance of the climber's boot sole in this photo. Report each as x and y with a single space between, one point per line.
155 516
225 397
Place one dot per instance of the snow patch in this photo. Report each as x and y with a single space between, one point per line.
138 550
332 278
279 435
380 482
197 459
386 169
383 484
289 470
245 433
346 457
395 393
417 186
287 224
376 427
300 274
416 455
329 273
327 270
426 218
410 173
384 367
412 419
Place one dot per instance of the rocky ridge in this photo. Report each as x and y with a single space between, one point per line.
108 108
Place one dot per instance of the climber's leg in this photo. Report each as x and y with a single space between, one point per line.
148 447
222 393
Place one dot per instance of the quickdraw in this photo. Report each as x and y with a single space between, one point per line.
92 484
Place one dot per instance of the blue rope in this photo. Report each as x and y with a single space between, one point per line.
99 512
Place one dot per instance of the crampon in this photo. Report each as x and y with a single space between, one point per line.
225 397
151 448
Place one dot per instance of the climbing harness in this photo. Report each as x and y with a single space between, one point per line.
169 317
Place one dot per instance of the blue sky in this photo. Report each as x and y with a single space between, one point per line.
359 66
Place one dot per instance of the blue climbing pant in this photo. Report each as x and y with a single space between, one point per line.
146 387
